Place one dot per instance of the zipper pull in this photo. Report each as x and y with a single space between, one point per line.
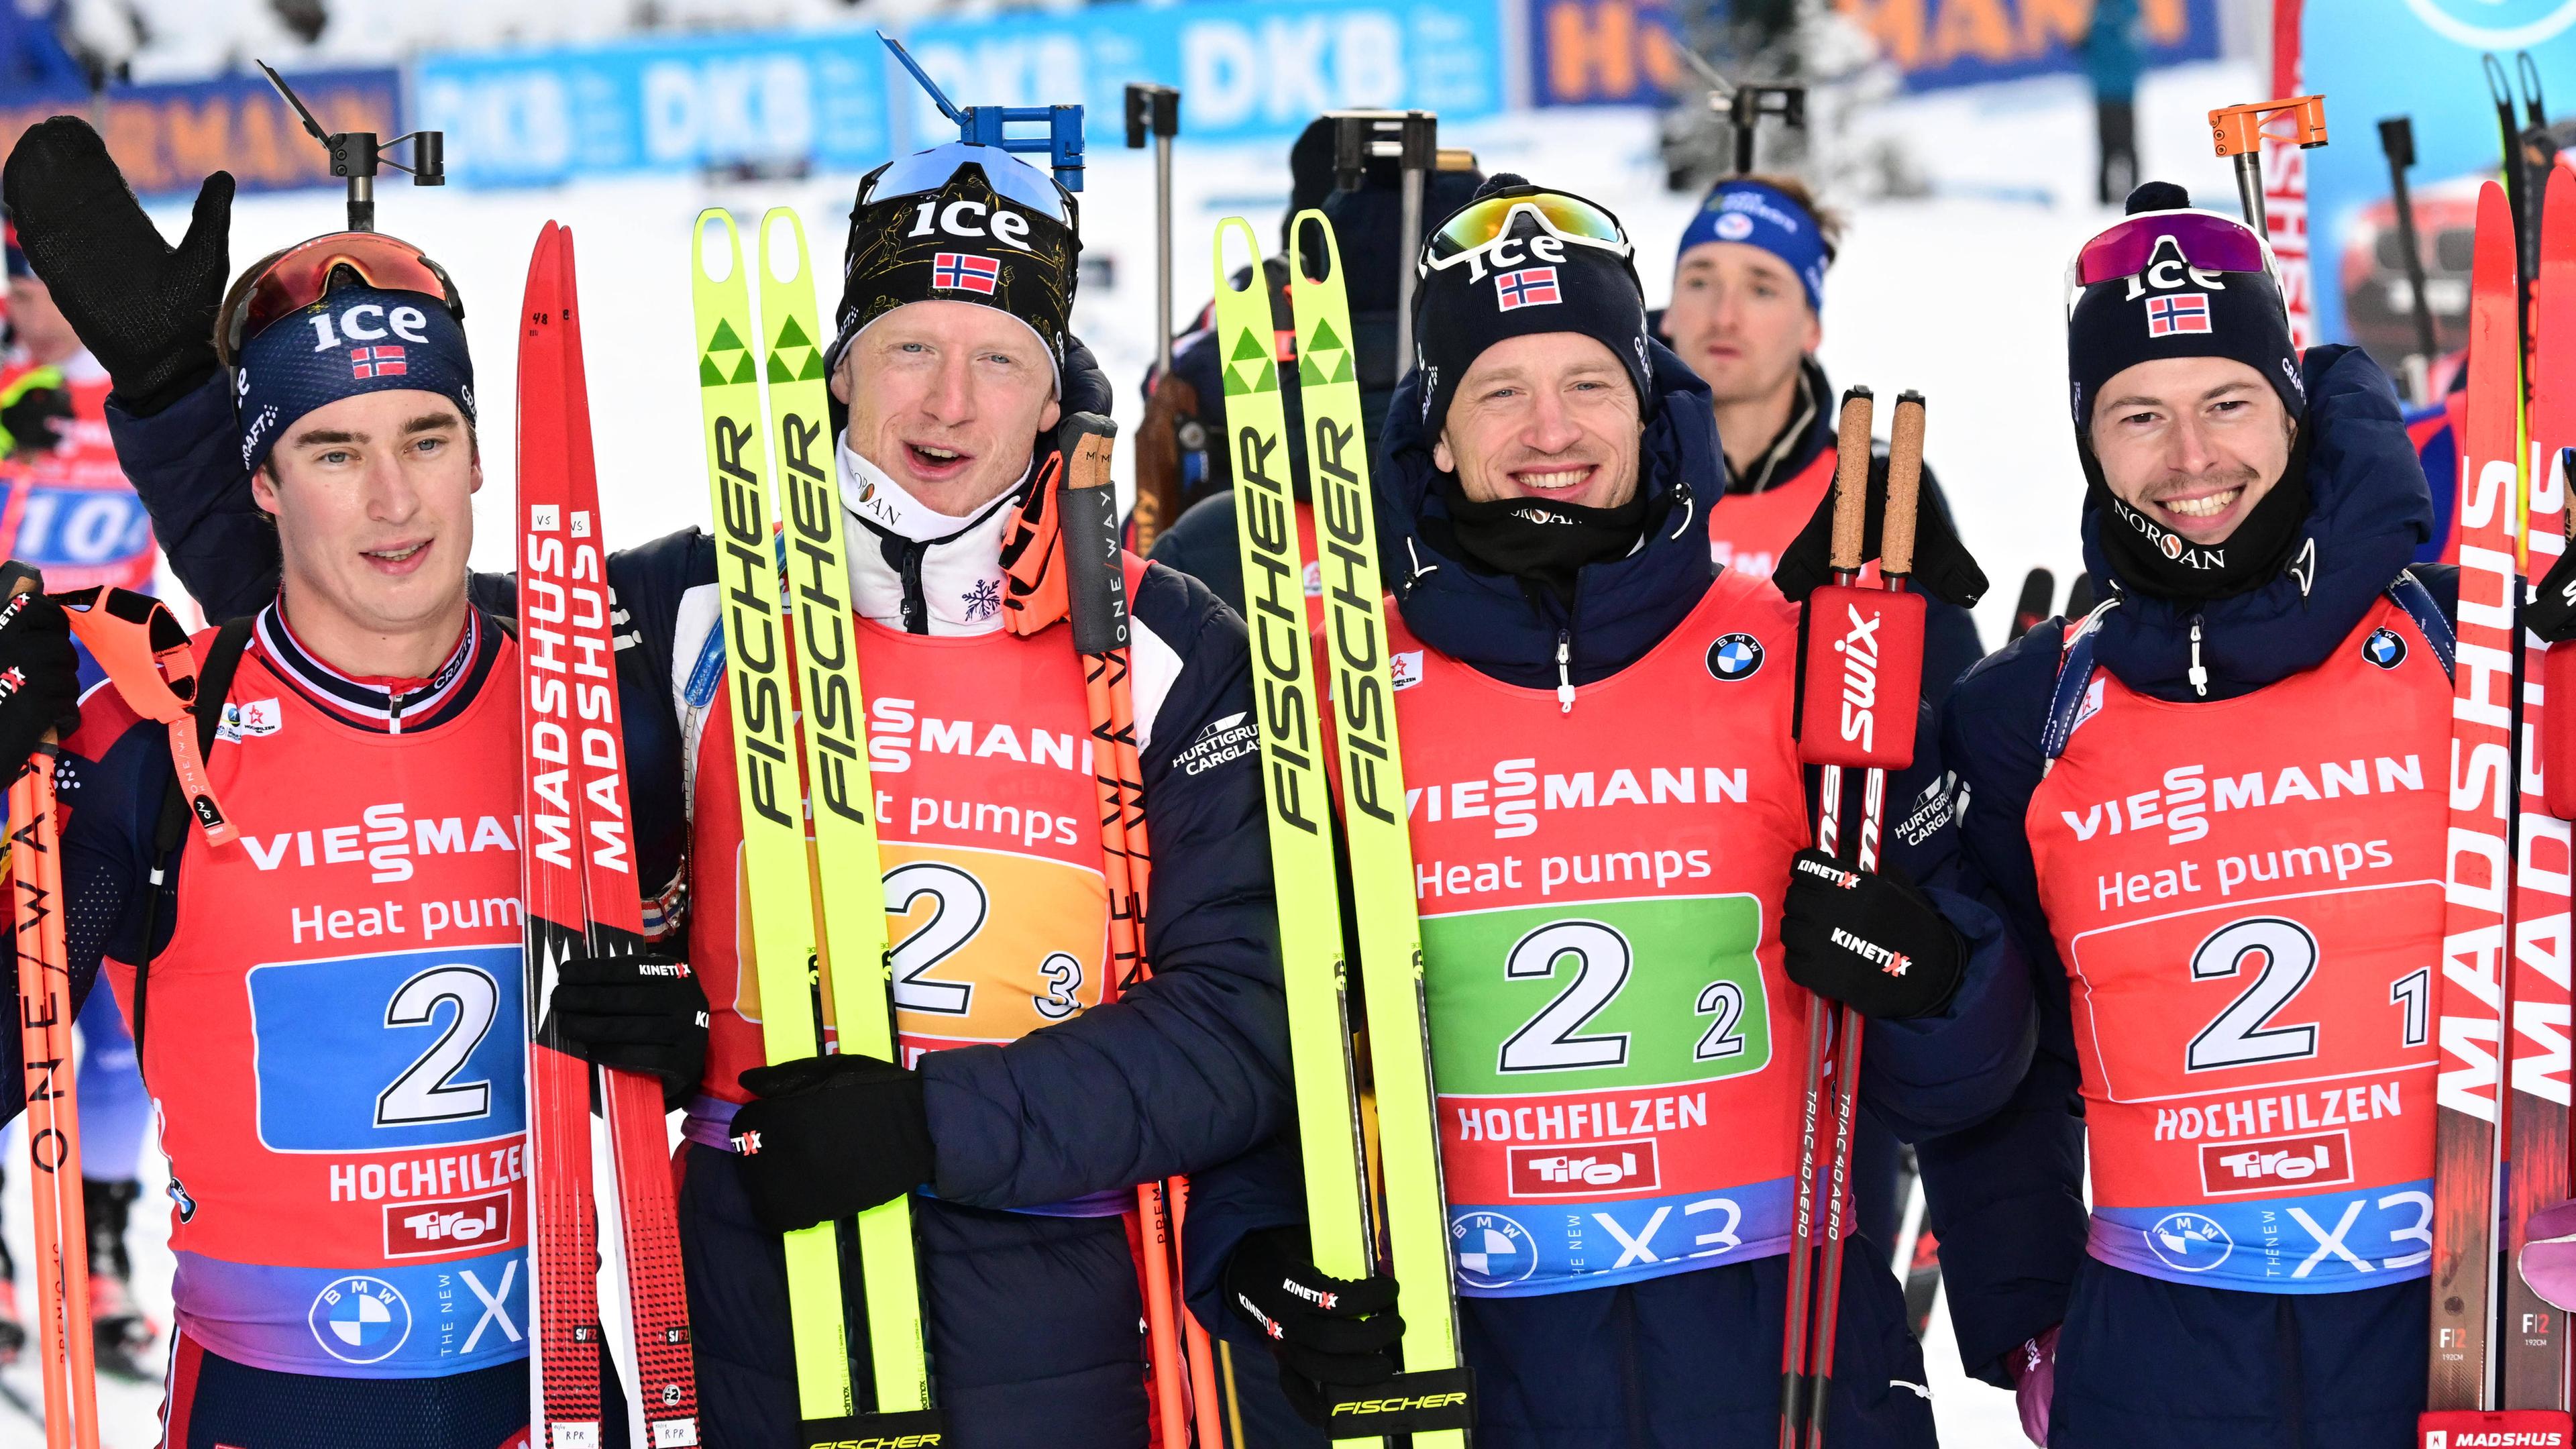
1564 671
2199 673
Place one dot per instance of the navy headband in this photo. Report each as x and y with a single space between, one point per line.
356 340
1760 215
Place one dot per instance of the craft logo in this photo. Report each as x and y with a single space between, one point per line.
248 719
366 362
963 272
1587 1171
359 1319
418 1229
2322 1159
2177 312
1528 287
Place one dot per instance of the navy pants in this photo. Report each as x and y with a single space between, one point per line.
1691 1360
2147 1364
214 1403
1032 1322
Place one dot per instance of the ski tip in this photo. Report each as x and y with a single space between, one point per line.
782 244
1251 249
716 245
1330 251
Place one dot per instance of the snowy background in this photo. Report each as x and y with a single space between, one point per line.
1956 293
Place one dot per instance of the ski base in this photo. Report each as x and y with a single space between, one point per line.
2495 1429
1415 1403
904 1429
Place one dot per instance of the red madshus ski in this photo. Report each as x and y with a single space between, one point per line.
582 898
2470 996
665 1387
563 1283
2534 1341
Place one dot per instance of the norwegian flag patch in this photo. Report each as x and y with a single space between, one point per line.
365 362
2179 312
961 272
1528 287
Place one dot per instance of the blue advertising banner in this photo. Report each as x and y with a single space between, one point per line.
2415 58
1247 69
167 138
518 118
1615 52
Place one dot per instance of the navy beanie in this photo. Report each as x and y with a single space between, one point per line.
2173 310
1542 285
355 340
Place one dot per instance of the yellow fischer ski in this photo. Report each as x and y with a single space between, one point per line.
1431 1400
778 869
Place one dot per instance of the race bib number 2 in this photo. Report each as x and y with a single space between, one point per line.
401 1050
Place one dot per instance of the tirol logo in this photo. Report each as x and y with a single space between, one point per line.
2384 648
1588 1170
1492 1250
417 1229
359 1319
2322 1159
2189 1242
249 718
1734 657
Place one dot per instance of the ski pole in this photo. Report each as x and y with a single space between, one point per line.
65 1345
2397 142
2238 131
1156 111
1096 607
1896 560
1851 484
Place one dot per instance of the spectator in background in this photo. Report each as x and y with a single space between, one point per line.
2112 61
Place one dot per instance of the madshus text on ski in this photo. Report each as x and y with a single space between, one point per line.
1438 925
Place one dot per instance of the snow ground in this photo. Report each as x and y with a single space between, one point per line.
1958 295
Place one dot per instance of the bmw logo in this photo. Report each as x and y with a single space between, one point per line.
358 1319
1734 657
2190 1242
1492 1249
2384 648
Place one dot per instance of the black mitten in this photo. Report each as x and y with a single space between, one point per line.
1942 564
640 1013
829 1136
1327 1333
146 310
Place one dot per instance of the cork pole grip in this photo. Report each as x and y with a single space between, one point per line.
1904 484
1851 481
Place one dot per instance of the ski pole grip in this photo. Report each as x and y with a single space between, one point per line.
1904 484
1851 480
1095 582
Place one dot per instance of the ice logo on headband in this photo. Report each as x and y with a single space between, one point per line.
2167 271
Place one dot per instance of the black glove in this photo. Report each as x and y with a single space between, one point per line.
2552 611
33 410
146 311
1871 942
1329 1334
829 1136
1942 564
39 677
639 1013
